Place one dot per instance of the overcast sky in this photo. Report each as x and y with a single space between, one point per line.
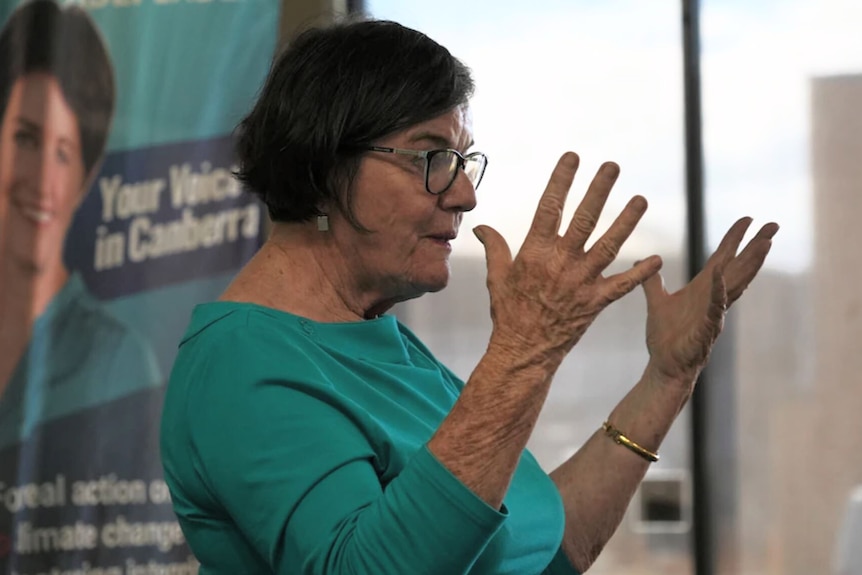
605 79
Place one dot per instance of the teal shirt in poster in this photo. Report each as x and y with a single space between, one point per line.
292 446
79 356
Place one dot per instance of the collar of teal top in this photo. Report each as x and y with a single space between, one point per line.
381 339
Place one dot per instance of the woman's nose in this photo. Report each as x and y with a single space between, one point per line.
461 195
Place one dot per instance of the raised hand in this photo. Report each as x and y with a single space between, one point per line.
683 326
544 299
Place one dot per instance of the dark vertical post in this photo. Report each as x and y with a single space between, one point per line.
702 539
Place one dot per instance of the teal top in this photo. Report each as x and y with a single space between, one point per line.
292 446
79 356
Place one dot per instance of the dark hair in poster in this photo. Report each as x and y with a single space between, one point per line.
40 36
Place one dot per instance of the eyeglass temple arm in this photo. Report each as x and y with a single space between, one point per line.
416 153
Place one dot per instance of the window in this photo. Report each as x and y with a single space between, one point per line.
604 80
782 101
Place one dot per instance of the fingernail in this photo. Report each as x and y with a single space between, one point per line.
477 231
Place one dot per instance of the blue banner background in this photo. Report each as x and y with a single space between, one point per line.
163 215
186 72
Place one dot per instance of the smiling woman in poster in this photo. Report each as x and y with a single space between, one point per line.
62 351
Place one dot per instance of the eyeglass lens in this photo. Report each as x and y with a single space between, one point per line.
443 168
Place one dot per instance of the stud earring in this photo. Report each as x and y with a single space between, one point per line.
323 223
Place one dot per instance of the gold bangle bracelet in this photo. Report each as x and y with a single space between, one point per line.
621 439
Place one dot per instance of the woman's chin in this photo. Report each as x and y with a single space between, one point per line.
435 279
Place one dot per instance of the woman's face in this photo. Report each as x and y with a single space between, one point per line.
407 252
41 172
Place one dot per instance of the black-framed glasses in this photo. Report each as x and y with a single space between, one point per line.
441 166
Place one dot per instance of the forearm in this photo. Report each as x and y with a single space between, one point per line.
425 522
482 438
598 482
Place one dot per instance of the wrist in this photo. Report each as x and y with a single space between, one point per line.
620 438
513 353
681 379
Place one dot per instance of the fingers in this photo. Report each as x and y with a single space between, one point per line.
605 250
726 250
497 253
587 215
640 274
546 222
741 270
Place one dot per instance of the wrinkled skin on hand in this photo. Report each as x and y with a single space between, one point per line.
545 298
683 326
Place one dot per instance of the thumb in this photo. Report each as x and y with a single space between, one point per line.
497 253
654 288
718 297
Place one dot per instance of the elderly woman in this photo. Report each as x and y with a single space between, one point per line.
306 431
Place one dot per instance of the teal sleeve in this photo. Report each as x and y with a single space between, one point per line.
560 565
292 469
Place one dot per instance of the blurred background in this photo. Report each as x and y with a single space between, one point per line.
779 427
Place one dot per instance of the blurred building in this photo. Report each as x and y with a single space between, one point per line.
817 462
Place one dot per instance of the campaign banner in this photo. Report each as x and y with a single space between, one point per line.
119 212
163 215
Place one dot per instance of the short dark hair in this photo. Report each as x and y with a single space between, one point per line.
332 91
42 37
